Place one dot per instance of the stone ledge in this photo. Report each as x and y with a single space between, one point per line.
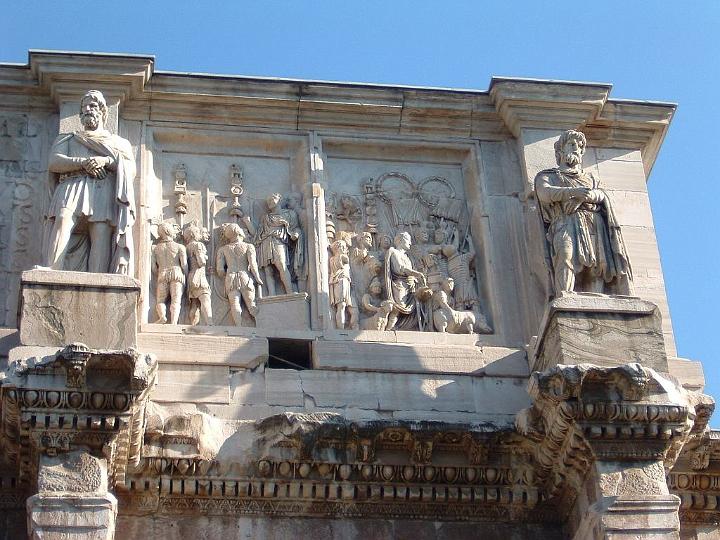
42 276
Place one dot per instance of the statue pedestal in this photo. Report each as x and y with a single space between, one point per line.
58 308
73 501
602 330
286 311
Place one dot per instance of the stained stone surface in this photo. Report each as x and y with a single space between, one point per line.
446 386
99 310
600 329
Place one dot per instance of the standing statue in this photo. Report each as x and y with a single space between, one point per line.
400 280
340 286
91 175
199 291
586 246
236 262
459 269
299 264
169 263
272 238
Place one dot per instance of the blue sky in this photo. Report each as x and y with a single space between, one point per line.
654 50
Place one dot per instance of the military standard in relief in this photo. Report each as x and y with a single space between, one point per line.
389 311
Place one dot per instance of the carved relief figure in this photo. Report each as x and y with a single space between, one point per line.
445 318
298 255
586 246
401 280
237 263
340 282
169 264
273 236
362 263
459 269
199 291
373 304
91 175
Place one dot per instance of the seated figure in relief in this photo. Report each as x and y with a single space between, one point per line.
401 280
237 263
340 282
169 264
586 245
199 291
91 175
376 307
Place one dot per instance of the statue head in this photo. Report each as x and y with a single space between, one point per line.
273 200
385 242
375 287
192 233
439 236
403 240
233 231
448 285
292 201
93 110
339 247
167 231
569 148
449 250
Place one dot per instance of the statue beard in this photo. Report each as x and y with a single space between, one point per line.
572 159
91 120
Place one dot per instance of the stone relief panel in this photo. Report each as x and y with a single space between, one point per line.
229 237
402 255
23 201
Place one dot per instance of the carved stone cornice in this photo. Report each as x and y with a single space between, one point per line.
66 76
78 397
584 413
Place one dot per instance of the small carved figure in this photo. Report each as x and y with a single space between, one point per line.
237 263
340 286
169 263
349 211
363 264
274 235
401 280
459 269
91 175
373 303
199 291
586 246
299 260
445 318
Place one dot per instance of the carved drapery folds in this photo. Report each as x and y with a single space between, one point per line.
79 398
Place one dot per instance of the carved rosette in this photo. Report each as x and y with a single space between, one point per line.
584 413
79 397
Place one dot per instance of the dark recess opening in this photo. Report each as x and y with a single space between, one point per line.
289 354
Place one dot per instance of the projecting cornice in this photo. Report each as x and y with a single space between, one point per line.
509 105
68 75
560 105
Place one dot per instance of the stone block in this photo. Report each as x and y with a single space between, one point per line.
99 310
602 330
194 384
233 351
288 311
404 357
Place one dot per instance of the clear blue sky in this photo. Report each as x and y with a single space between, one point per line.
655 50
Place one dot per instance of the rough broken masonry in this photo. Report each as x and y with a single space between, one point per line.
266 308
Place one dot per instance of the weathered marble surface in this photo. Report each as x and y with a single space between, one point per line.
99 310
600 329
